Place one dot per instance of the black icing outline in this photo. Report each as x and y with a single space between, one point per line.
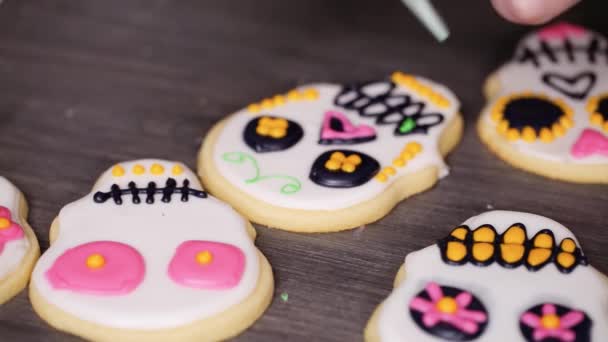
150 191
362 102
364 172
264 144
549 80
580 258
553 52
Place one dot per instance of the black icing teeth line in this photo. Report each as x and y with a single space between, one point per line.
552 53
116 193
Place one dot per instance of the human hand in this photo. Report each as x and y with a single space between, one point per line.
531 12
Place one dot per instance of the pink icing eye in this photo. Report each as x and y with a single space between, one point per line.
9 230
207 265
102 268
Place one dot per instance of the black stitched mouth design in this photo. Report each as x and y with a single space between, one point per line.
150 191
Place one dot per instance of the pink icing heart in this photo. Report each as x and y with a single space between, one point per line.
207 265
9 230
347 131
105 268
590 142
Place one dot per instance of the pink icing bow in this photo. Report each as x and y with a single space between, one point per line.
561 30
463 319
12 231
561 332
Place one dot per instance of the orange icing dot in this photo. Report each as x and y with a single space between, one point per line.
4 223
204 257
96 261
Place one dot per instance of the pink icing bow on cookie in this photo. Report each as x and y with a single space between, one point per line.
450 310
562 31
9 230
550 325
589 143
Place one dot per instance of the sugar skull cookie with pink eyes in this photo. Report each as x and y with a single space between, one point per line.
499 276
149 256
18 244
329 157
547 108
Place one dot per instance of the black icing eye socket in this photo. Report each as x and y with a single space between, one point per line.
598 109
449 313
343 169
550 322
532 117
272 134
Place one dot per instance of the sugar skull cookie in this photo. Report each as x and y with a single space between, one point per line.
547 109
18 244
329 157
149 256
500 276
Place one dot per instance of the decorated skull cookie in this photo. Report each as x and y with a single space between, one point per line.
548 107
18 245
149 256
500 276
327 157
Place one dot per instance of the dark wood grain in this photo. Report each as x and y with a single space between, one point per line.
84 84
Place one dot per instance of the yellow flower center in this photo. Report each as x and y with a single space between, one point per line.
4 223
338 161
204 257
275 128
550 321
447 305
96 261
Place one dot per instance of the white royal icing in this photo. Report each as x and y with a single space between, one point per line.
155 231
515 77
505 293
14 250
297 160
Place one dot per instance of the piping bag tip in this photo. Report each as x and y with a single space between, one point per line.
426 13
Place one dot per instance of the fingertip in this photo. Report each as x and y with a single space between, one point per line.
531 12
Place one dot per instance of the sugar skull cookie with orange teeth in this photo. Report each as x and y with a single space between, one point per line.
148 255
500 276
329 157
547 108
18 244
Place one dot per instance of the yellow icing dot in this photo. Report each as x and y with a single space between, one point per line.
399 162
550 321
293 95
538 256
503 127
204 257
496 114
456 251
512 253
354 159
566 259
139 169
460 233
381 177
333 165
262 130
4 223
543 240
254 108
515 235
278 132
447 305
279 100
558 130
338 156
389 170
483 251
118 171
566 122
606 126
96 261
177 170
512 134
546 135
484 234
267 104
157 169
406 155
597 119
413 147
568 245
311 94
528 134
349 167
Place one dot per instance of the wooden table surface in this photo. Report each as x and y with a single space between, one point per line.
85 84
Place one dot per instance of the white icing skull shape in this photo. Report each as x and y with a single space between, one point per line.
553 97
147 249
14 244
329 147
500 276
